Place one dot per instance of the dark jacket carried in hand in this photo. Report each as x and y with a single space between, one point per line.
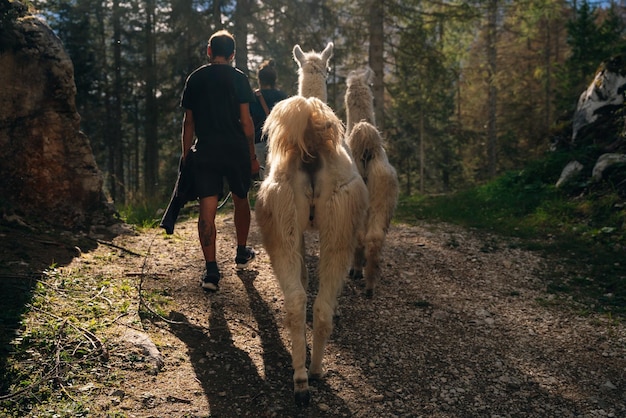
183 192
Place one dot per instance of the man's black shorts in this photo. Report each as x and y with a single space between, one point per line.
209 178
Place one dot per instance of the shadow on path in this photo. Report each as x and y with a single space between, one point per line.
230 379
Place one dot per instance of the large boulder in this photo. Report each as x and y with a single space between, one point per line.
604 95
598 128
47 166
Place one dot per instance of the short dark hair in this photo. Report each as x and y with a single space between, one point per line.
267 73
222 44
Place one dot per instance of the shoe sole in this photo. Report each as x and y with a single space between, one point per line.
241 266
209 287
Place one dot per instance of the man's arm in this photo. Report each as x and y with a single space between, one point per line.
248 129
188 132
247 125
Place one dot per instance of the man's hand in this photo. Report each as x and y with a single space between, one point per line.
255 166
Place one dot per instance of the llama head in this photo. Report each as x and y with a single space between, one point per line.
319 58
364 77
313 71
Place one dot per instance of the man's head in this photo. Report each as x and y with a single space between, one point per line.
267 74
221 44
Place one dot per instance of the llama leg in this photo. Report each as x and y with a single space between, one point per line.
372 265
295 318
287 265
304 273
359 260
334 264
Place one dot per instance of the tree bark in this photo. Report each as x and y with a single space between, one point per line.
241 18
376 59
116 127
492 93
151 149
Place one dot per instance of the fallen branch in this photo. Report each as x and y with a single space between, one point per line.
110 244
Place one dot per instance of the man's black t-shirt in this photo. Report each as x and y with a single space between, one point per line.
213 93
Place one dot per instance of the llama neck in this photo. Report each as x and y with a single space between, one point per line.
355 115
312 86
359 107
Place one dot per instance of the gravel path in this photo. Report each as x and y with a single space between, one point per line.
461 326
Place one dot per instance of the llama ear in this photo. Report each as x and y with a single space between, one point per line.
369 75
327 53
298 55
350 77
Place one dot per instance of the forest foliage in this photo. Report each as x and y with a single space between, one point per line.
465 90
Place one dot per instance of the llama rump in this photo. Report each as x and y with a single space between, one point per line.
381 179
312 184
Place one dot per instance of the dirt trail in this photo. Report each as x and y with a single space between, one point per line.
461 326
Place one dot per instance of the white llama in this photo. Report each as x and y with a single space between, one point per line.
312 184
313 71
381 179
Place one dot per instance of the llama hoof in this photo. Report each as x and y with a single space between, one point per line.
369 293
315 376
303 398
356 274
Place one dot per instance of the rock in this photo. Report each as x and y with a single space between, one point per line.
605 93
608 385
150 350
605 161
323 407
87 387
570 171
48 169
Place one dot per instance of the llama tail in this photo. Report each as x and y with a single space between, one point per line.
307 125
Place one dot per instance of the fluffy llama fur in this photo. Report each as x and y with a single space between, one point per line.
312 184
359 99
381 179
313 71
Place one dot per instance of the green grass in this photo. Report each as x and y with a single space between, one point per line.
56 349
143 215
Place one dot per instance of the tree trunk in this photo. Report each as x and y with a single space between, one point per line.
376 61
548 82
217 14
241 17
116 126
422 149
151 150
492 93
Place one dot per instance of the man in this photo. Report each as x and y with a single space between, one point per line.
216 100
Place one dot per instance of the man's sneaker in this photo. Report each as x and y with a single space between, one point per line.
210 280
244 256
